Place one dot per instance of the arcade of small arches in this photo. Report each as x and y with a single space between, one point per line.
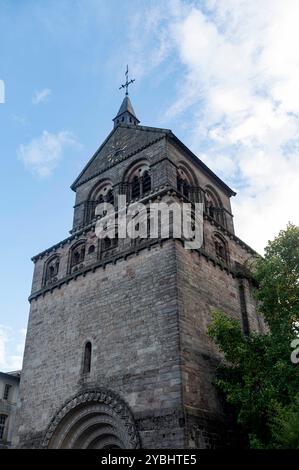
77 255
137 183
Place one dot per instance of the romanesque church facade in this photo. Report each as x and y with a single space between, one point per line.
117 354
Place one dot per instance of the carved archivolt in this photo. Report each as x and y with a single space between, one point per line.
95 419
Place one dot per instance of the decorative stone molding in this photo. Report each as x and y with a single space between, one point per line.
103 399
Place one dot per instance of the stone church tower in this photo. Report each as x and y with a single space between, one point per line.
117 354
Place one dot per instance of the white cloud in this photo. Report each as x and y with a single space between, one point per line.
41 96
42 154
146 28
240 74
11 348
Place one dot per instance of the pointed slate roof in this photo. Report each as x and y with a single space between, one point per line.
126 113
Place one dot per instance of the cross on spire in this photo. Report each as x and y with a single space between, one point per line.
126 113
126 85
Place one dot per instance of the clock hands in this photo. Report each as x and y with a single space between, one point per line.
117 151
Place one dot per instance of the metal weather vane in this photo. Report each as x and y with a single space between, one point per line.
126 85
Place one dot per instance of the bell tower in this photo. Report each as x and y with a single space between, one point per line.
117 354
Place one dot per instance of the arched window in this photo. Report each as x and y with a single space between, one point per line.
146 182
110 197
211 203
107 243
3 419
135 191
91 249
184 183
213 206
221 250
51 270
101 193
186 189
87 358
77 254
138 182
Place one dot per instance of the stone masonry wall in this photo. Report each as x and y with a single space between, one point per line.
204 286
129 312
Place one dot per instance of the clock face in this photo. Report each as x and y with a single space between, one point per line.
116 154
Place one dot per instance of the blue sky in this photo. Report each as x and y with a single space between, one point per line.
213 72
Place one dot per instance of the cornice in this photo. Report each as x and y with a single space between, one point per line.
160 191
83 230
235 270
98 264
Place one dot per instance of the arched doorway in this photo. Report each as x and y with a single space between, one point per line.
97 419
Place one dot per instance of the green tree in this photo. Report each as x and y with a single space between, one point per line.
257 375
285 426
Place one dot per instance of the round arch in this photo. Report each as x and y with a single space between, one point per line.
137 179
136 169
186 172
221 247
76 253
51 269
100 188
94 419
213 195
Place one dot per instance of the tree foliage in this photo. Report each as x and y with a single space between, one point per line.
257 375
